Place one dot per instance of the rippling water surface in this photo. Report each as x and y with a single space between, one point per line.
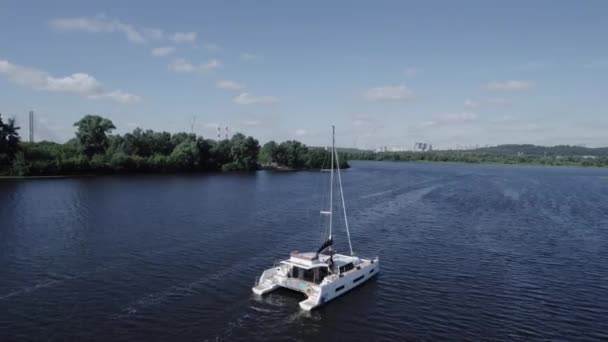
468 253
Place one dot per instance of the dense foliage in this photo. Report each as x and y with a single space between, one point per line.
293 154
95 150
9 143
500 155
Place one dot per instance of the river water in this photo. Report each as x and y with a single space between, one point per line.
468 252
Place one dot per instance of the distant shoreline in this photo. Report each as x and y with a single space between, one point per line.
500 155
482 163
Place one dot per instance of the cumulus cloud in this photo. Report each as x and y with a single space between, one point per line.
119 96
182 65
247 98
102 24
135 34
183 37
163 51
78 83
471 104
246 56
388 93
212 64
232 85
451 119
509 85
301 132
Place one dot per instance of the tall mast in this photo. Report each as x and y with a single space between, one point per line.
350 245
331 182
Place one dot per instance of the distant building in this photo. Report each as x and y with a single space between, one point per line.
422 147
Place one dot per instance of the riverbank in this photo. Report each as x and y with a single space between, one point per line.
94 150
477 157
484 163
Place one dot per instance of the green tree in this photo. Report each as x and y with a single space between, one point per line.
292 154
220 154
93 133
244 152
268 152
9 143
204 153
185 155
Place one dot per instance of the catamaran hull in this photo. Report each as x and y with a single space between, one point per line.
319 294
342 285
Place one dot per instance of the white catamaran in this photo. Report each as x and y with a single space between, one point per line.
322 275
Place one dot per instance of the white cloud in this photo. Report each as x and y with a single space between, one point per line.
212 64
135 34
483 102
247 98
78 83
451 119
101 24
301 132
388 93
183 37
509 85
226 84
246 56
163 51
470 103
412 71
120 96
182 65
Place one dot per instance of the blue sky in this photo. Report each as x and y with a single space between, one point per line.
386 73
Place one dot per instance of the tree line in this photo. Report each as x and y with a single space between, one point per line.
95 150
483 156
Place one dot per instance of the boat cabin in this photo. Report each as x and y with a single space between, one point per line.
314 268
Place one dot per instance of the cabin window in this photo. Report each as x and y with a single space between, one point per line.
346 267
308 275
372 271
320 274
339 288
358 278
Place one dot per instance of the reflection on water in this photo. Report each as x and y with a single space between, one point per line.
468 253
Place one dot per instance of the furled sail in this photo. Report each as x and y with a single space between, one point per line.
325 245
